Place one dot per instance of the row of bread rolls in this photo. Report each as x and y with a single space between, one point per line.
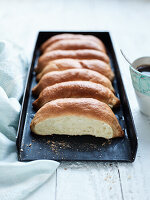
74 93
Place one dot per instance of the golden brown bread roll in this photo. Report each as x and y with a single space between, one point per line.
52 78
59 65
76 117
66 36
75 54
76 89
65 64
74 45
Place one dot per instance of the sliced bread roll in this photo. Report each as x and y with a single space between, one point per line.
52 78
66 36
75 54
85 116
64 64
76 89
74 45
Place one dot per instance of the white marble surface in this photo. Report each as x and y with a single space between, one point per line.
129 24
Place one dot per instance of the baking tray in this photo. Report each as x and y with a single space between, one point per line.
76 148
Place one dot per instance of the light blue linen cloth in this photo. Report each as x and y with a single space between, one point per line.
17 179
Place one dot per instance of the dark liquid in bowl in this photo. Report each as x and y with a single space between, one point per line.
144 69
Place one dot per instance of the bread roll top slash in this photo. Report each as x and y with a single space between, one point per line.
74 54
74 45
66 36
76 89
64 64
52 78
84 116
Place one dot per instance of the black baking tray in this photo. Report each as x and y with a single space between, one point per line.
76 148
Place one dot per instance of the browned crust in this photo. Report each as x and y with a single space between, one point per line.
75 54
76 89
65 64
98 66
74 45
52 78
86 107
59 65
66 36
